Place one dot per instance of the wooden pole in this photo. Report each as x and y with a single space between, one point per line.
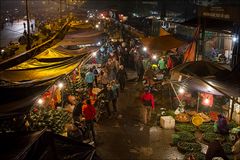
232 109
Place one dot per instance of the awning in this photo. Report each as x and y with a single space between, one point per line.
207 77
163 43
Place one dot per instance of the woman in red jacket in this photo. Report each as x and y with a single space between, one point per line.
148 105
89 113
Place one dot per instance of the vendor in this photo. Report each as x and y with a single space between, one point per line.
222 125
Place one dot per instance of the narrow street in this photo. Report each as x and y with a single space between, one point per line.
125 137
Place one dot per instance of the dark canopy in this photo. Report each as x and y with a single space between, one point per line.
43 145
207 77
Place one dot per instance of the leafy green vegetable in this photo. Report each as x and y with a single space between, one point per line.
211 136
185 127
196 155
189 147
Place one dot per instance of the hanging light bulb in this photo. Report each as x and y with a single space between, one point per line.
40 101
60 85
144 49
206 101
181 90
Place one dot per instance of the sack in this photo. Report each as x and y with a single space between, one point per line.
147 103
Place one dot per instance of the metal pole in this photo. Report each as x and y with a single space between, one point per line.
28 27
198 101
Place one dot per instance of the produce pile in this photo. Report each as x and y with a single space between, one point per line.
211 136
53 119
182 136
182 117
185 127
206 127
186 147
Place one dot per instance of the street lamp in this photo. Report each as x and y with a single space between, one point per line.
97 26
154 57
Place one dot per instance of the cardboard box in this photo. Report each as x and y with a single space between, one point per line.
167 122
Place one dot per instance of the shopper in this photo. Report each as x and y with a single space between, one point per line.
95 72
89 78
140 69
122 77
148 105
89 114
115 94
77 111
222 125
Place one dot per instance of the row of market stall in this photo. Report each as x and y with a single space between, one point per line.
38 93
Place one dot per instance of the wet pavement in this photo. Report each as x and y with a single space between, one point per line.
123 136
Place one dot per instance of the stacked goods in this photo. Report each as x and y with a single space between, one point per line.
211 136
45 117
182 117
206 128
185 127
186 147
195 155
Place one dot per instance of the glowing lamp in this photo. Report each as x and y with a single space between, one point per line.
40 101
97 26
206 101
94 54
60 85
234 39
181 90
154 57
144 49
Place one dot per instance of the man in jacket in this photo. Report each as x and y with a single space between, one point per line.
89 114
148 105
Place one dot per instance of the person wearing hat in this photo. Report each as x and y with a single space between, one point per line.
148 105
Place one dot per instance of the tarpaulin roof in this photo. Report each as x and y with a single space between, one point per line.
162 43
44 145
207 77
22 84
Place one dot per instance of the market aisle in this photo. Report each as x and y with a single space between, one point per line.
124 136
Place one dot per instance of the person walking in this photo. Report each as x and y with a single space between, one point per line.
89 113
122 77
95 72
89 78
115 94
148 105
140 69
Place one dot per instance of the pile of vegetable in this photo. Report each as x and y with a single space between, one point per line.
185 127
46 117
182 136
182 117
211 136
186 147
206 127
